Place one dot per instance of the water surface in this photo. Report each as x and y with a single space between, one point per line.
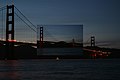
89 69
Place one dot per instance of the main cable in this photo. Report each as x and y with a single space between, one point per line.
25 17
25 22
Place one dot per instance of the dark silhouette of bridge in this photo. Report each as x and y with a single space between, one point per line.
12 46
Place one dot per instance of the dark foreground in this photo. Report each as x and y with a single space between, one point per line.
28 52
70 69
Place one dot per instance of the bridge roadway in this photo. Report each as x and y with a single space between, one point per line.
94 53
18 43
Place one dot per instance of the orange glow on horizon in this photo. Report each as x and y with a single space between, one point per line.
12 40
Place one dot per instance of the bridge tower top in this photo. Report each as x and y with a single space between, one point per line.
92 41
41 37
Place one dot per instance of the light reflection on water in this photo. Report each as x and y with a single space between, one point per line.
8 70
106 69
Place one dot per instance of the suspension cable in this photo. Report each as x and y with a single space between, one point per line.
2 25
2 22
25 23
2 8
48 33
25 17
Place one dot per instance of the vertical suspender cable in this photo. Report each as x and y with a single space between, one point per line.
2 26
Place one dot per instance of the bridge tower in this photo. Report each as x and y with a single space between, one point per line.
73 42
41 37
92 41
10 32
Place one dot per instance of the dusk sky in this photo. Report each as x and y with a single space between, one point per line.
100 18
62 33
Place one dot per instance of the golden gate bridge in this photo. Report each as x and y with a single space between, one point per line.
13 32
16 33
